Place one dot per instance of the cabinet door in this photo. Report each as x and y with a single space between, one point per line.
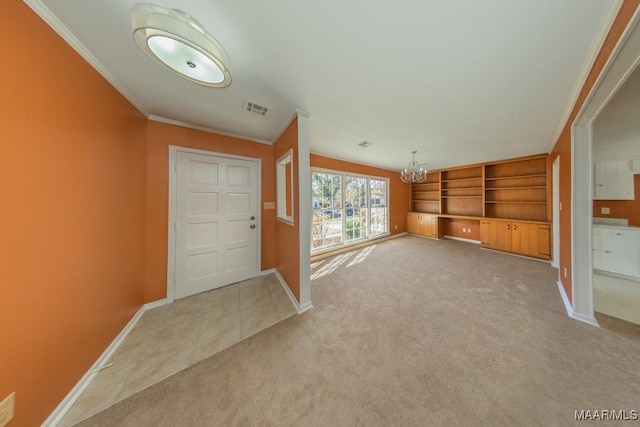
620 252
412 223
597 249
613 181
488 234
496 235
544 242
624 181
503 236
422 229
599 191
522 239
431 225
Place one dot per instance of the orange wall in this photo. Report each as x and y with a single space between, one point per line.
160 136
626 209
454 227
399 192
563 145
73 183
288 242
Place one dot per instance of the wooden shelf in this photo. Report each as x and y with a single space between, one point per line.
497 178
536 187
513 189
475 178
524 202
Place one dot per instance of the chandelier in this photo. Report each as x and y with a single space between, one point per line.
414 173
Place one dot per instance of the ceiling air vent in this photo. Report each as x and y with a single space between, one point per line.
365 144
252 107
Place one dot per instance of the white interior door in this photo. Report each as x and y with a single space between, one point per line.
216 222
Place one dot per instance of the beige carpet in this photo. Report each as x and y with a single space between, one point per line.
410 332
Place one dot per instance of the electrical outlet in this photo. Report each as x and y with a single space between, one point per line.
7 409
565 272
396 227
605 211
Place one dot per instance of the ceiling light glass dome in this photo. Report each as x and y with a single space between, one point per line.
177 41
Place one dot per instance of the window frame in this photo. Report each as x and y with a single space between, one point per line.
284 188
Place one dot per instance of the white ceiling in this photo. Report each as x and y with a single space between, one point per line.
460 81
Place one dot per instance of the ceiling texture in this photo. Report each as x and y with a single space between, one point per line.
460 81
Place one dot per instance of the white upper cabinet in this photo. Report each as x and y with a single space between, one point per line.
614 181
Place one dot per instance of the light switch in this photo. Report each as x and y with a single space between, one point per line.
605 211
269 205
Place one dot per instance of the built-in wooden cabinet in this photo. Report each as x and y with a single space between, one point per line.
423 225
517 189
522 238
425 197
513 192
461 191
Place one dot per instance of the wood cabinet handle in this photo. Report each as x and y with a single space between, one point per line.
515 227
508 226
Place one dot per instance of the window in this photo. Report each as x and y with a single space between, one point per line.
284 187
347 208
379 209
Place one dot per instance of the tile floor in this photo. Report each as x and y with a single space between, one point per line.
616 297
170 338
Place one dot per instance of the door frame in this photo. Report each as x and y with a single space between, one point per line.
555 179
624 59
173 196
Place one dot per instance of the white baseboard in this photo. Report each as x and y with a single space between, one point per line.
305 307
565 299
617 275
517 255
586 319
58 414
572 314
462 239
300 309
353 246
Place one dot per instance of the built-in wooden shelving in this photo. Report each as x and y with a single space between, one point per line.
425 196
510 189
461 191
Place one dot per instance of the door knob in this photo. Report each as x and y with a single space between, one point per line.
253 226
252 218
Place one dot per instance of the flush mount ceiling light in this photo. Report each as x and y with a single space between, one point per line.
414 173
176 40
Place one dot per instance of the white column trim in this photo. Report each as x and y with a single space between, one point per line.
621 63
304 210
